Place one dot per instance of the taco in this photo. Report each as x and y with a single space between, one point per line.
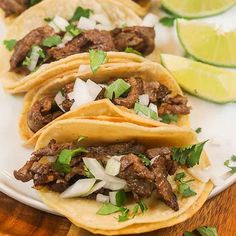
117 178
46 40
140 92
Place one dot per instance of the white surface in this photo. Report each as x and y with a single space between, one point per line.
217 123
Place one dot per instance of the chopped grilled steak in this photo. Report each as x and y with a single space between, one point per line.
23 174
163 187
43 112
23 46
13 7
91 39
67 103
140 179
132 97
139 38
175 105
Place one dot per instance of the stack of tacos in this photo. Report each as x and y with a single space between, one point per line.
109 127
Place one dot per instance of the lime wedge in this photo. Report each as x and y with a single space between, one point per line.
207 43
202 80
197 8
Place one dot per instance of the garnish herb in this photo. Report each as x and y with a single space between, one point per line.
120 198
108 209
145 160
62 163
203 231
180 176
10 44
52 41
97 58
227 163
116 89
87 172
148 112
169 118
189 156
33 2
124 215
198 130
79 12
48 19
167 21
81 138
26 62
131 50
73 30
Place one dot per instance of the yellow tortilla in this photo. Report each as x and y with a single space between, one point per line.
82 212
146 70
34 17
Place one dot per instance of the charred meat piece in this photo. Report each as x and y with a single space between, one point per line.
139 38
140 179
175 105
23 46
163 187
43 112
91 39
14 7
67 103
132 97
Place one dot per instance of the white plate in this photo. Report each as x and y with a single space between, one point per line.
217 123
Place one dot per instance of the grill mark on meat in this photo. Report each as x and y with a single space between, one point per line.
14 7
139 38
23 46
132 97
42 112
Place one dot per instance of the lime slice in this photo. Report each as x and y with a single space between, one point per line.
202 80
207 43
197 8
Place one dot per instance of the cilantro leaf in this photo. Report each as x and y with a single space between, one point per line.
143 206
81 12
124 215
73 30
33 2
187 233
131 50
169 118
185 190
26 62
10 44
228 164
198 130
189 156
108 209
180 176
120 198
145 160
48 19
52 41
207 231
167 21
97 58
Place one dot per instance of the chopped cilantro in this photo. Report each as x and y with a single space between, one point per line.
228 162
145 160
203 231
187 233
52 41
146 111
198 130
124 215
185 190
81 12
73 30
10 44
169 118
189 156
180 176
97 58
48 19
108 209
120 198
33 2
131 50
26 62
167 21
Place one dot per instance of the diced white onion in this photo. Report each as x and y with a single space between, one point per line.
112 196
71 95
149 20
54 26
67 38
79 188
81 94
98 172
86 24
84 68
153 107
102 198
61 23
101 19
144 99
34 57
51 159
154 159
94 89
201 174
118 158
112 167
59 99
95 188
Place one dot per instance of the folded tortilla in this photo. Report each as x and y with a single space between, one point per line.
34 18
82 212
101 109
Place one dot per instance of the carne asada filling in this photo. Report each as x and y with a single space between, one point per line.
142 180
140 38
45 110
16 7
